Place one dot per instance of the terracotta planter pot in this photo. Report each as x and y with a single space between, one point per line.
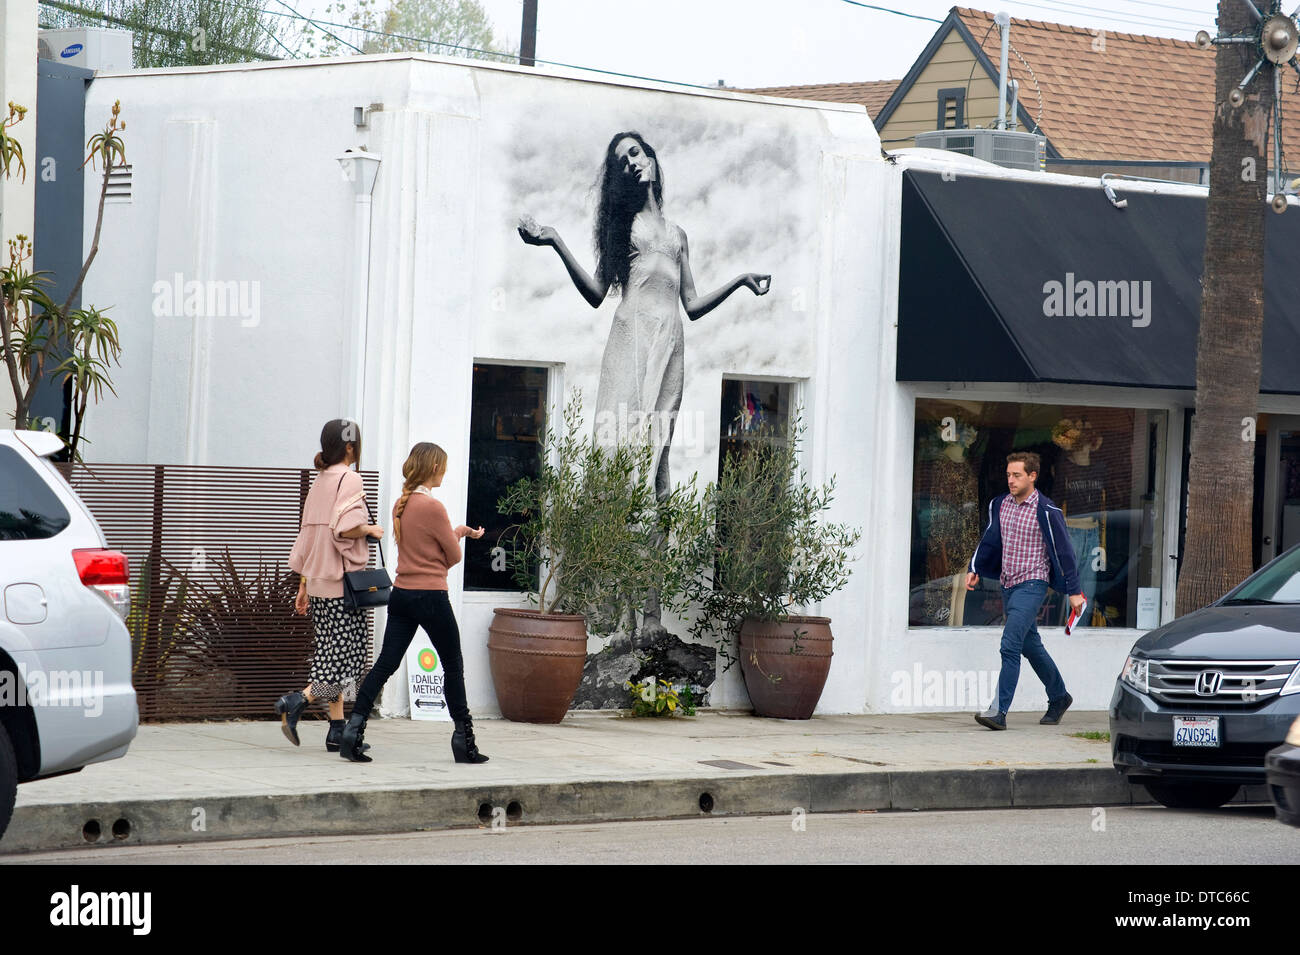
537 662
782 682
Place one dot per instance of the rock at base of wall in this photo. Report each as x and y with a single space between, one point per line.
655 653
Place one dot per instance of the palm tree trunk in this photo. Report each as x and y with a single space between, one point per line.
1220 483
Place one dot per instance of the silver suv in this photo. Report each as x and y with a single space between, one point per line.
66 698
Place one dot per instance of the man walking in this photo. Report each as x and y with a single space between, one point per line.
1025 546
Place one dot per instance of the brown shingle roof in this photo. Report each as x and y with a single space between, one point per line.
1116 95
873 94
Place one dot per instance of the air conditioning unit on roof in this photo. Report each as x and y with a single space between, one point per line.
91 48
1003 147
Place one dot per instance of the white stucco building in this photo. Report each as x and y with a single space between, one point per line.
403 302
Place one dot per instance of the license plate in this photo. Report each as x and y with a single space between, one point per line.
1196 731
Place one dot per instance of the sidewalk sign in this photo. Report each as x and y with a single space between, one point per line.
424 678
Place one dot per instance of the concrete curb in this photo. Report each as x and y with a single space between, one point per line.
196 819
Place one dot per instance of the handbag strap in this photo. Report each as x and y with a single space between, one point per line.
369 513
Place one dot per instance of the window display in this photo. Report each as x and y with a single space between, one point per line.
752 411
1103 467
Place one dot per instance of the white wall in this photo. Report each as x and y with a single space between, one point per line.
235 181
18 85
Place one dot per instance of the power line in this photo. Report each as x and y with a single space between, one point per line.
872 6
1165 6
1059 7
137 26
312 22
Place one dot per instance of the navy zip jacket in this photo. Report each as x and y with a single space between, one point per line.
987 561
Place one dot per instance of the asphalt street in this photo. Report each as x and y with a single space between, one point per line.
1114 835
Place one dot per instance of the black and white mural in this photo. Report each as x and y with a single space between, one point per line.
646 271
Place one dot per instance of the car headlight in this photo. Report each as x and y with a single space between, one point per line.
1292 685
1293 734
1135 674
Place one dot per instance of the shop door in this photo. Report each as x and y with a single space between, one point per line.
1281 499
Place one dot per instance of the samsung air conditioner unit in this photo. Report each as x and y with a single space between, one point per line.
91 48
1002 147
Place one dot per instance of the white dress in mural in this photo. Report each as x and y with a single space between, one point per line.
641 373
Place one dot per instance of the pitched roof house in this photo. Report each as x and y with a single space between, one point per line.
1118 102
873 94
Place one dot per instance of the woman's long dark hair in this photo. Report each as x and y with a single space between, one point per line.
334 440
620 198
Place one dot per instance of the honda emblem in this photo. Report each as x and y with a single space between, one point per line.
1207 684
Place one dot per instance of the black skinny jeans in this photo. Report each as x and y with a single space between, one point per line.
408 609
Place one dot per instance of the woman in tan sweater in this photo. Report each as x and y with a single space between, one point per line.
427 545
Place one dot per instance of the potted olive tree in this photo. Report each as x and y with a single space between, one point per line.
766 552
593 545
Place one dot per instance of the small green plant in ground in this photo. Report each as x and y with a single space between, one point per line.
1091 760
1093 734
649 699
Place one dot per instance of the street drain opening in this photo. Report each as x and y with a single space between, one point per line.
514 811
121 830
706 802
485 812
90 831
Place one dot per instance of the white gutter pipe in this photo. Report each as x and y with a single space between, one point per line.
360 168
1003 20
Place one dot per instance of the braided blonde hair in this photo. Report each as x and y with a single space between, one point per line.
425 461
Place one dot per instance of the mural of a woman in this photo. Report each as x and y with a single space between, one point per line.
646 258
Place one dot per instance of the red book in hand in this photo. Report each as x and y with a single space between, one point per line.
1074 617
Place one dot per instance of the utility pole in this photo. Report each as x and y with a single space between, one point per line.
528 35
1220 480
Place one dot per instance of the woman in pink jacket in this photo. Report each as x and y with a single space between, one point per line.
334 538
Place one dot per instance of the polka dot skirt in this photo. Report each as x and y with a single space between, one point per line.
340 656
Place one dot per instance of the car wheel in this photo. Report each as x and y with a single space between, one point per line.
1192 795
8 780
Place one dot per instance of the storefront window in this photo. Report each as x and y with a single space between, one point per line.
1104 467
507 413
752 411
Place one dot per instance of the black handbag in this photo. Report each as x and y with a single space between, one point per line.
370 586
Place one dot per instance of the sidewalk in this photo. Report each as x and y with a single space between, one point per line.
223 780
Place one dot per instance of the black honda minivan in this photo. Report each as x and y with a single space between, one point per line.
1201 700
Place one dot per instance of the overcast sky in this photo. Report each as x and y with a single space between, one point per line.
749 43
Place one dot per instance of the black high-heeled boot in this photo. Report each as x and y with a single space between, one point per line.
335 736
463 747
351 741
290 707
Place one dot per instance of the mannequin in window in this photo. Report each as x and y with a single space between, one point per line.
1080 490
954 527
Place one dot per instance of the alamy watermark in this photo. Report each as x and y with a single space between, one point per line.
208 298
1085 298
687 433
947 688
83 688
76 907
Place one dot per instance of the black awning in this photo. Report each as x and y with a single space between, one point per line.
1014 281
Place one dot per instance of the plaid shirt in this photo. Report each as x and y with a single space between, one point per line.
1024 555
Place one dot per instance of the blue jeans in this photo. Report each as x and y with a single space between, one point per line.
1084 540
1020 637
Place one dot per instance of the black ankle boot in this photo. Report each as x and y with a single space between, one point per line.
351 742
335 736
290 707
463 748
